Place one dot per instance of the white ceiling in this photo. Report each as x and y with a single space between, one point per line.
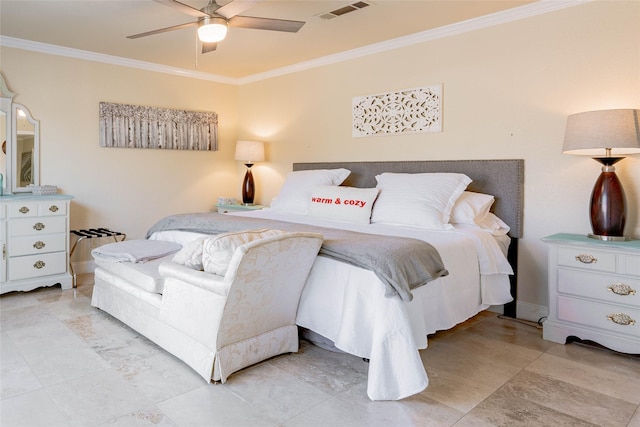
102 26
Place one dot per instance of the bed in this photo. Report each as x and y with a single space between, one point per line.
349 307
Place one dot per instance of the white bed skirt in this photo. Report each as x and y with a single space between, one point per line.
360 320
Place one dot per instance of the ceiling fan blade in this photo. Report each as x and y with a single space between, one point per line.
163 30
235 7
209 47
184 8
266 23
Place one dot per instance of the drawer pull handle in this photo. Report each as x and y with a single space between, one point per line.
621 319
586 259
39 265
23 210
53 208
39 244
621 289
38 226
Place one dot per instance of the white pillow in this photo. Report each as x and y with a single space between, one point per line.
218 250
191 254
296 190
342 203
471 208
423 200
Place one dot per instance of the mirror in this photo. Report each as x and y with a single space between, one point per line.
24 156
20 135
3 152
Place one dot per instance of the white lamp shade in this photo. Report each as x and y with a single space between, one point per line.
212 30
250 151
592 132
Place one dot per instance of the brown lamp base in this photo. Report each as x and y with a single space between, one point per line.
608 204
248 187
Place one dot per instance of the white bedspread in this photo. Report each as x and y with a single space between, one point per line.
339 304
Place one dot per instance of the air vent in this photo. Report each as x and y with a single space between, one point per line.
344 10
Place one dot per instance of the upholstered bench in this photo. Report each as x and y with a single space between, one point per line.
220 304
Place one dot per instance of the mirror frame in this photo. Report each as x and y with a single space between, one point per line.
6 99
10 108
35 159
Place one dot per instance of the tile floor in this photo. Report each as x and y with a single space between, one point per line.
64 363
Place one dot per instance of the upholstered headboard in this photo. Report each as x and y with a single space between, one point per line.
503 179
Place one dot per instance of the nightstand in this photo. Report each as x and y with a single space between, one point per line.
238 208
594 291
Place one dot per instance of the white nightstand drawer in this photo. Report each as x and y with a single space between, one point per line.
615 289
27 245
37 265
595 314
587 259
630 264
37 226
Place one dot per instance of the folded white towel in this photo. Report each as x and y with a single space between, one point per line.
135 250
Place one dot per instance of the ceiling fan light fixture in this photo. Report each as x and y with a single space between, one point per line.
212 30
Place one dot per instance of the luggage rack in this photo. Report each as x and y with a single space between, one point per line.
91 233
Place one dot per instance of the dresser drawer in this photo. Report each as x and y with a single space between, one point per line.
31 208
26 267
52 208
615 289
596 314
23 209
37 226
587 259
45 243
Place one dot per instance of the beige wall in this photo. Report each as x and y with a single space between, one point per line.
507 92
123 189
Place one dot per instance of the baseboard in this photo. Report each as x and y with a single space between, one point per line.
525 311
531 312
83 267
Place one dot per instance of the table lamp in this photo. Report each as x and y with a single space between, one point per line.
606 136
249 152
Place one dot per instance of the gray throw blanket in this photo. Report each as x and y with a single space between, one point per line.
401 263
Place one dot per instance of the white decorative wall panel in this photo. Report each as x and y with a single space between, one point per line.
133 126
416 110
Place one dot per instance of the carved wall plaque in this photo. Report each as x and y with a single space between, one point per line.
416 110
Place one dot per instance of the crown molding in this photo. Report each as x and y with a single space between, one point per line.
515 14
498 18
109 59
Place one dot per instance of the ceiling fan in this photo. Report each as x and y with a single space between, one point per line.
214 20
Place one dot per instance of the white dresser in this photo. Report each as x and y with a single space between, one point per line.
594 291
34 233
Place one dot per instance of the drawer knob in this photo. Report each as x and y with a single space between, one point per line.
38 226
39 244
23 210
53 208
621 319
621 289
586 259
39 265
